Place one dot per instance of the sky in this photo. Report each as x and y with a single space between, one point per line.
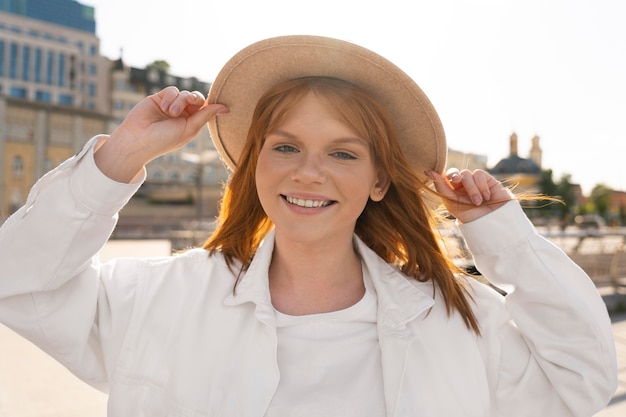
552 68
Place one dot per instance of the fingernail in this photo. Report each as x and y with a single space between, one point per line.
486 196
175 110
223 110
477 200
165 105
429 174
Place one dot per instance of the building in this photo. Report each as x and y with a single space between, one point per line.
49 53
51 82
464 160
57 91
522 173
177 176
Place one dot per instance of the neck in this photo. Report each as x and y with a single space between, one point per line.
309 279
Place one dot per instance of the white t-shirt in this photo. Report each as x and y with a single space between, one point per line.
330 363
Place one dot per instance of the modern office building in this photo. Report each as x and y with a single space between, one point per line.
49 53
68 13
54 90
57 91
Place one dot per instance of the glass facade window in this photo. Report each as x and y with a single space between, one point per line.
66 100
13 60
25 62
43 96
1 58
68 13
38 64
49 67
61 68
18 92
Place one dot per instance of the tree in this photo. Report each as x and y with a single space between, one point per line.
563 189
160 65
601 199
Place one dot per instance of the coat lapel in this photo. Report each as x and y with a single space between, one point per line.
400 301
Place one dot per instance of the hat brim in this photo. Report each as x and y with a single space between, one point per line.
262 65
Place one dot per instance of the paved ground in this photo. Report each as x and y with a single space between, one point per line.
617 406
33 385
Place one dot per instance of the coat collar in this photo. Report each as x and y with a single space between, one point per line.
400 298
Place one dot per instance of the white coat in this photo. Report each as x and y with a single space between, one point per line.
168 337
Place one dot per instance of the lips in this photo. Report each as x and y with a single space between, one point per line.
300 202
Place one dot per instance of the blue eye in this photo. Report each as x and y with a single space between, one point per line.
344 155
285 148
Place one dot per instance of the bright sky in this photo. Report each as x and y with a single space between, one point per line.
553 68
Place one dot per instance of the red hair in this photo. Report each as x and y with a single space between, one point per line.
400 228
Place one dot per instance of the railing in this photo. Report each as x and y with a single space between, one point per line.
600 252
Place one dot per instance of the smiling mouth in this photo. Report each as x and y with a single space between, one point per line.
308 203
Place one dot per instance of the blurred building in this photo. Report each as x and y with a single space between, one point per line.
464 160
522 173
49 53
57 91
52 90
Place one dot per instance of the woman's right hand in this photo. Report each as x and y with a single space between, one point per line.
158 124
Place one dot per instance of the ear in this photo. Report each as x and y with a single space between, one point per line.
380 187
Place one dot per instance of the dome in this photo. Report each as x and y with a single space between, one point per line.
514 164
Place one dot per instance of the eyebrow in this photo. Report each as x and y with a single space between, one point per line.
347 139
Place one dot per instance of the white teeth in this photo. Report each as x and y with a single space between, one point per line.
307 203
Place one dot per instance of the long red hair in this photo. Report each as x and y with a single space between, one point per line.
400 228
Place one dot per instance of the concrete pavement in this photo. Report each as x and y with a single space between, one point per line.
617 406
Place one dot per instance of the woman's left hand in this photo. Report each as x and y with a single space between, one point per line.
469 195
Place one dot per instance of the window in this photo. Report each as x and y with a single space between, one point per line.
17 167
13 52
66 100
18 92
43 96
25 62
61 67
93 69
92 90
175 176
49 67
1 58
38 64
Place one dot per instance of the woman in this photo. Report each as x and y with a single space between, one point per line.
324 290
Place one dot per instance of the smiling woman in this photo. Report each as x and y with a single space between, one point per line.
324 289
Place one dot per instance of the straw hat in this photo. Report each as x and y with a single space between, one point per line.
262 65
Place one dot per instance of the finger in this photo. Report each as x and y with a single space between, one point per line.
481 178
167 96
200 118
185 101
471 188
454 177
442 184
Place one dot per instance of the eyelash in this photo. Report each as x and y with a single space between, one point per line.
285 148
345 156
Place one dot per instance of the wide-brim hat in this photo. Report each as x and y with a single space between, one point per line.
262 65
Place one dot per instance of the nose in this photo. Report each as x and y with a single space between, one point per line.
309 169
